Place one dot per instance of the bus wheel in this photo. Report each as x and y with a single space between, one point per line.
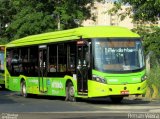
70 92
116 99
23 89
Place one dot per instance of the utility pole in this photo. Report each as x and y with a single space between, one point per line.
59 22
58 18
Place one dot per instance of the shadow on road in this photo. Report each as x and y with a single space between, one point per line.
73 116
100 101
5 97
109 102
34 96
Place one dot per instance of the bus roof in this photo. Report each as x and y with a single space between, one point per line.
74 34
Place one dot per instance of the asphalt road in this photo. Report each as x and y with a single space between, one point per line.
13 106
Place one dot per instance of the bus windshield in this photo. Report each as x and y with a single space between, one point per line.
118 55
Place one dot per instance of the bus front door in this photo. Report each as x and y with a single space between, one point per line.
42 68
82 67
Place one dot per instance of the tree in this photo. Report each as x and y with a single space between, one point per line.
151 42
31 17
39 16
143 10
6 13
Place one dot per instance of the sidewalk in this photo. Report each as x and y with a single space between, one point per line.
140 97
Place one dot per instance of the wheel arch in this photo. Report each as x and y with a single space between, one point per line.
23 86
72 80
23 78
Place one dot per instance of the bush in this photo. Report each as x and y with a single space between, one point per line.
151 43
153 81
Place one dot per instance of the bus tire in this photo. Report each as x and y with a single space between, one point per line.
23 89
70 92
116 99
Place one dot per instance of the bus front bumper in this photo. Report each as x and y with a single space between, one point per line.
96 89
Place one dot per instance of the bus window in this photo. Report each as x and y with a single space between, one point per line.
33 60
52 65
13 63
24 60
62 56
1 60
71 57
9 58
24 54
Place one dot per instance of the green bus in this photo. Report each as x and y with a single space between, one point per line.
2 65
83 62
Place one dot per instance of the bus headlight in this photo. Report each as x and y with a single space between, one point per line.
99 79
143 78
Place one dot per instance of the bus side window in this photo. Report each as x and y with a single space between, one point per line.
62 56
24 62
33 61
52 64
9 59
71 57
14 62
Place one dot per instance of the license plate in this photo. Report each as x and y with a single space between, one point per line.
125 92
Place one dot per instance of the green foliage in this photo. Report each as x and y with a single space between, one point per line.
143 10
151 39
154 77
21 18
6 14
151 42
3 41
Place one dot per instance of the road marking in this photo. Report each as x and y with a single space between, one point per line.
85 112
155 110
130 107
98 112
